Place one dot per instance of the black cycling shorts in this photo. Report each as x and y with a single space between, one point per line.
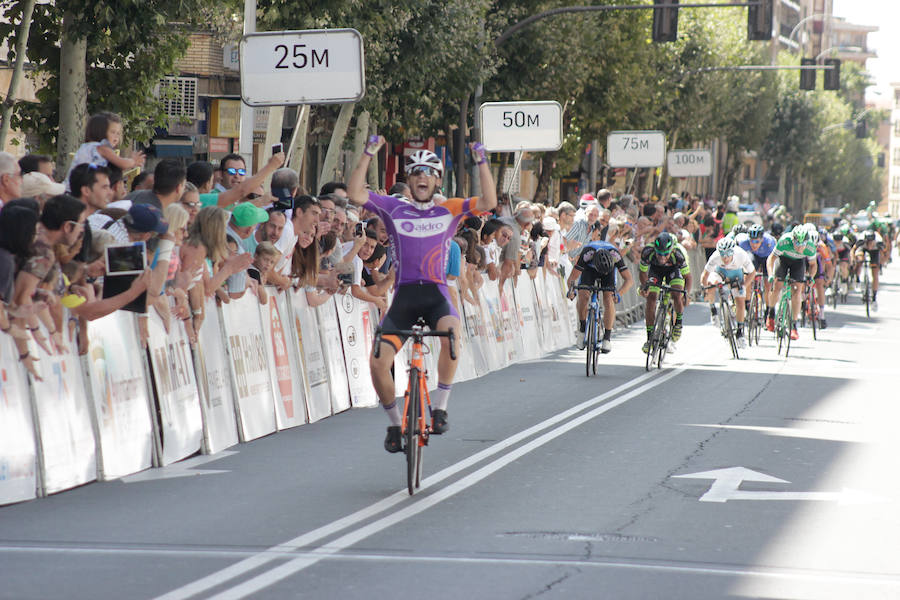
794 267
592 277
759 263
874 256
429 301
669 274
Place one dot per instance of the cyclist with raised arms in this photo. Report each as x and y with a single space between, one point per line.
794 255
597 265
420 233
870 243
729 264
664 261
759 245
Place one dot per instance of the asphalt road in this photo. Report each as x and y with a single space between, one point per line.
549 484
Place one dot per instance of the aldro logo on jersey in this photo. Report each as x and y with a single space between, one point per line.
423 227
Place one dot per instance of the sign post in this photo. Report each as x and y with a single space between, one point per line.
636 149
520 127
283 68
690 163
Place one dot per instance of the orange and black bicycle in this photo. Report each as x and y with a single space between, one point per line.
416 424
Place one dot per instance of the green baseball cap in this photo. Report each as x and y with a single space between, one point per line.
247 214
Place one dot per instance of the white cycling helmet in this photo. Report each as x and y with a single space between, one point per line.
424 158
725 246
813 236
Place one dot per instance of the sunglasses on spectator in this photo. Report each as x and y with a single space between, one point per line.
233 171
423 170
190 204
253 195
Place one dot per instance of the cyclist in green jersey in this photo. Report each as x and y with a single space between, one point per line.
794 256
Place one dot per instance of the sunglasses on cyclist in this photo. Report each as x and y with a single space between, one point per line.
233 171
422 170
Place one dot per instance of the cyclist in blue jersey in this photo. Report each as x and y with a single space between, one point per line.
597 264
420 233
759 245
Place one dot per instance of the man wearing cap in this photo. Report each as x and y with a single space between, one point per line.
37 185
244 219
140 224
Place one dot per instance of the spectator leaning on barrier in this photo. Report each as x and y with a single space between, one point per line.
244 219
90 184
566 217
190 201
512 254
579 233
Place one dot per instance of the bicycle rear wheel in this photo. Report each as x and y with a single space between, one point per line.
411 434
666 336
788 324
867 294
597 341
754 322
814 311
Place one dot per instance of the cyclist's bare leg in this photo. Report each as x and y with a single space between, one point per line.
446 365
609 310
678 299
875 270
796 297
581 307
740 309
650 312
383 381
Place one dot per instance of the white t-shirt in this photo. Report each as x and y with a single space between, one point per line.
741 263
357 264
286 244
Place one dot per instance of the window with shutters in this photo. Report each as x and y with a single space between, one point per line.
179 96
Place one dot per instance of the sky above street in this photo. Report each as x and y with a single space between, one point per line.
886 42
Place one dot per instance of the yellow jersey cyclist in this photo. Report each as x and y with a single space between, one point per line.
664 261
794 257
597 264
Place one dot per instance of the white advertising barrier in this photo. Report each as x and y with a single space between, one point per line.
542 310
180 421
247 359
527 314
356 319
475 337
18 455
284 370
309 345
558 312
330 333
119 396
62 417
494 346
214 381
465 359
515 343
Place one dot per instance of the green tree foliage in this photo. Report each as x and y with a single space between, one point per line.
131 44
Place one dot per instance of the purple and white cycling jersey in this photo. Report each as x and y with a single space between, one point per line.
420 235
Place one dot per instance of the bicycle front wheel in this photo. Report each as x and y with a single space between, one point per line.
728 324
412 430
595 355
589 341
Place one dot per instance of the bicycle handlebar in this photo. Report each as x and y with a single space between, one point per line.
417 333
592 288
665 287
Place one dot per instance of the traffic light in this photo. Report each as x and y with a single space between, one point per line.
833 75
665 22
807 76
861 129
610 178
881 160
759 21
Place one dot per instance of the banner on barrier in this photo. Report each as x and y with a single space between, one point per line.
119 396
334 355
290 393
181 424
474 326
63 422
306 329
494 348
18 455
247 359
515 346
356 319
214 381
527 324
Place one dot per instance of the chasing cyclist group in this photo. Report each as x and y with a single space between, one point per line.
799 254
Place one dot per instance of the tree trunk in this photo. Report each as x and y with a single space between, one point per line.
21 45
72 95
298 141
664 183
360 135
374 175
501 172
460 155
330 168
543 184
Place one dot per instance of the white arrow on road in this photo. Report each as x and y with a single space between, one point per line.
180 469
727 481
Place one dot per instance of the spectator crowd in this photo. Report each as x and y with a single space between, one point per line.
200 231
